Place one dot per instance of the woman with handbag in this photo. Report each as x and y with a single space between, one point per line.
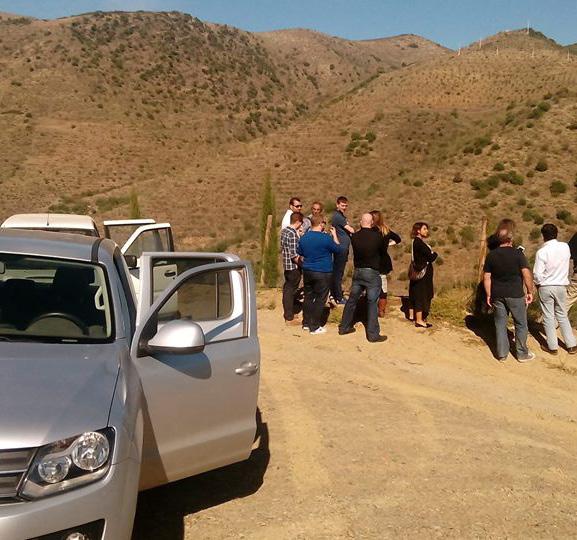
421 289
390 238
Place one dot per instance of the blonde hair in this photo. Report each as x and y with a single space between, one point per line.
379 223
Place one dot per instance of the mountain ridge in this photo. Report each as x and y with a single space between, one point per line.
194 116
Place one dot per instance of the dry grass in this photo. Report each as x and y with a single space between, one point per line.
168 104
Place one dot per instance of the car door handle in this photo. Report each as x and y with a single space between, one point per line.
247 369
170 273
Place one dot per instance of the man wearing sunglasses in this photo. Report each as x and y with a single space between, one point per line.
295 205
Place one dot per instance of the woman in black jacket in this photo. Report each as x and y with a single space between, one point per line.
421 291
386 264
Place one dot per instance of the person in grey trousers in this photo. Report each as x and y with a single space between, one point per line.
551 275
509 287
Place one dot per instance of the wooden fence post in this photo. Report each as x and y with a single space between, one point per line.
265 248
482 249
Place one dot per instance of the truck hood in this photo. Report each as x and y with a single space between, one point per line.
50 392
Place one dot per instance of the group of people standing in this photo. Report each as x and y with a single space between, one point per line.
320 253
317 252
510 287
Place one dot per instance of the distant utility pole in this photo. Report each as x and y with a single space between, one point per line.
527 26
480 42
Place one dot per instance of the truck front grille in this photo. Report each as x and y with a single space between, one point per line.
13 466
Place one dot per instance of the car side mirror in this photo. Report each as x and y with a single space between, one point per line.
175 337
131 261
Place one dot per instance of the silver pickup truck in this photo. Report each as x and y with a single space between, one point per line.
103 394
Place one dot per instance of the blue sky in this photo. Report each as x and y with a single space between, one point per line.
452 23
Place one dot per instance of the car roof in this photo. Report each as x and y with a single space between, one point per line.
44 220
51 244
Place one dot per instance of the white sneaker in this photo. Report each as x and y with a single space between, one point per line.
530 356
306 328
319 330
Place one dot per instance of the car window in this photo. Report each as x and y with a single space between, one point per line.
151 240
53 299
214 299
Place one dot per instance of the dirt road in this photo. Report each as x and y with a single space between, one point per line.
424 436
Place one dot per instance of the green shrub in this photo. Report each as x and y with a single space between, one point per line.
269 263
499 166
521 201
532 215
565 216
418 183
370 136
106 204
513 177
467 234
535 233
541 166
557 187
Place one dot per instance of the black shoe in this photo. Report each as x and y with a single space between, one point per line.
343 332
552 351
426 325
377 339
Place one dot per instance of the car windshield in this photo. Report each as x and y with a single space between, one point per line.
67 230
46 299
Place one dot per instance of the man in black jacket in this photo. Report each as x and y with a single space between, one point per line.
368 247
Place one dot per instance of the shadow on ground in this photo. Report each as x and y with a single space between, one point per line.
160 512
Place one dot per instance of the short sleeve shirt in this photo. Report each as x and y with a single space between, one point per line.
505 265
338 222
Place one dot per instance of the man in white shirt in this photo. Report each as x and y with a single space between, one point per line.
551 275
295 205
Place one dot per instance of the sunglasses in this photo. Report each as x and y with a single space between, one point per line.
298 205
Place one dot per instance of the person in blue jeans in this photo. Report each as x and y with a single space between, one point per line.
317 250
509 288
368 248
344 231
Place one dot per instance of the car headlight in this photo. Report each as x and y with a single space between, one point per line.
68 464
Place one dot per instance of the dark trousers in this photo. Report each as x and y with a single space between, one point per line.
369 280
339 264
292 278
316 285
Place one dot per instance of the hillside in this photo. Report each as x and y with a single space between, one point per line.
96 103
195 115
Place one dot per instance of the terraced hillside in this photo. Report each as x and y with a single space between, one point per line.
194 116
96 103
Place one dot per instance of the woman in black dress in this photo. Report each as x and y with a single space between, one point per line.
390 238
421 290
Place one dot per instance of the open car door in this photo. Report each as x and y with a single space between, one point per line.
199 366
154 237
120 230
